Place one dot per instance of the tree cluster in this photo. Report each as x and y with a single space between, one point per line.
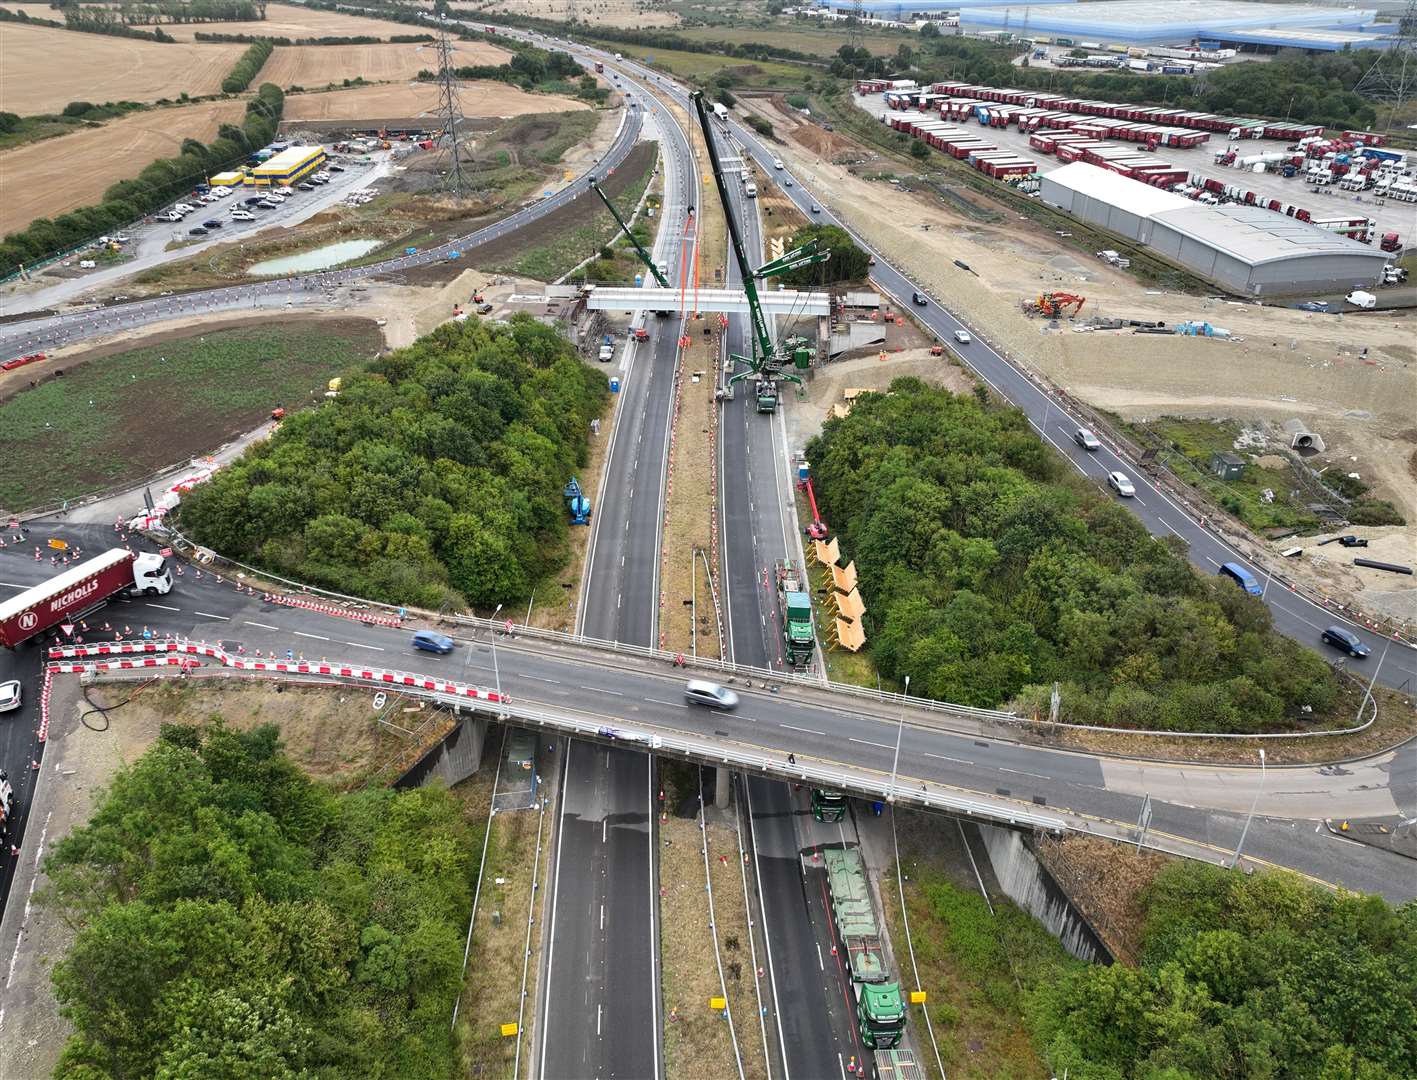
990 572
169 11
363 39
1244 977
247 67
434 478
128 200
235 919
847 263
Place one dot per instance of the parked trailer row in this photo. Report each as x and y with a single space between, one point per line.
964 144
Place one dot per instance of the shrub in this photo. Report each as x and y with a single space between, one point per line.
247 67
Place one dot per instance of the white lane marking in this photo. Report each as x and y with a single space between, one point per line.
1169 525
209 615
821 966
868 742
1138 501
539 678
317 637
1023 772
163 607
675 704
12 585
263 626
359 645
598 690
809 731
946 757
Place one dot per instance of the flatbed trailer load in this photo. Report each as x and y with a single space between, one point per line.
880 1009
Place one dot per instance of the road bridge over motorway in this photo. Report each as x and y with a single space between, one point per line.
787 302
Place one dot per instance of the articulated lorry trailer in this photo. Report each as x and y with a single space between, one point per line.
78 590
880 1009
794 608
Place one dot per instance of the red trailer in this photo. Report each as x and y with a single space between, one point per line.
78 590
1362 138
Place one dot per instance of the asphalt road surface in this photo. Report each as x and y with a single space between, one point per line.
601 993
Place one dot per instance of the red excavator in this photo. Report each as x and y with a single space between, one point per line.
1057 303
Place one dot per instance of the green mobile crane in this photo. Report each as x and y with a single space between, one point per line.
639 248
770 359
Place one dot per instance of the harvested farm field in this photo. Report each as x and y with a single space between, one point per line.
319 65
99 68
480 98
630 14
289 21
51 177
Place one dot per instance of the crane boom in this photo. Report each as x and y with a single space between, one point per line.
639 248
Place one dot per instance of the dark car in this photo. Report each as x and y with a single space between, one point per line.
305 186
336 168
428 641
919 299
213 224
1313 305
1346 640
198 231
253 202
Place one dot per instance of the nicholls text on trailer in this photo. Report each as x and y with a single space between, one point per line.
80 589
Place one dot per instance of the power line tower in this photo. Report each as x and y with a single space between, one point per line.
571 13
448 105
858 16
1393 77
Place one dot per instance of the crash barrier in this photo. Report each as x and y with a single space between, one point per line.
330 609
46 688
289 666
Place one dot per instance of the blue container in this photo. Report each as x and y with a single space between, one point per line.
803 471
614 385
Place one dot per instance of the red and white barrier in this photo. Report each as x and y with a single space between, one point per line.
331 609
376 676
44 692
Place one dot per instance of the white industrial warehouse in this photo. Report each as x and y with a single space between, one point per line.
1244 249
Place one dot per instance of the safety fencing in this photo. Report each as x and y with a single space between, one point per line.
383 677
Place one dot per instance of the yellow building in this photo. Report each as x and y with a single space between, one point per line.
288 167
233 178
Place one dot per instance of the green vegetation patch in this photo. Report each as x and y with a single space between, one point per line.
127 415
1241 974
990 571
746 74
235 918
433 479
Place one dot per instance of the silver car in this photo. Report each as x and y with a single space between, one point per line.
9 695
1086 439
1121 483
698 692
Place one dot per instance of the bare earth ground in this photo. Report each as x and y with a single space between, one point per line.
1105 881
53 176
98 68
289 21
1286 363
417 99
329 733
633 14
316 65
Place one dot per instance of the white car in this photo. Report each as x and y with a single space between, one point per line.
237 214
171 215
777 163
1121 483
183 208
962 336
276 195
9 695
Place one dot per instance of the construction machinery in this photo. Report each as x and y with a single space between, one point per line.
880 1009
817 530
828 805
654 269
1057 303
765 394
794 605
770 359
577 505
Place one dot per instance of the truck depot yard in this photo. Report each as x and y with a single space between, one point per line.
53 176
99 68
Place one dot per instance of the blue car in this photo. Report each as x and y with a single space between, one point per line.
428 641
1241 577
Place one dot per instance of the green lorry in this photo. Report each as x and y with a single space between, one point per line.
828 805
880 1008
794 606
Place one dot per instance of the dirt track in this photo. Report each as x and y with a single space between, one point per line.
48 178
97 68
419 99
318 65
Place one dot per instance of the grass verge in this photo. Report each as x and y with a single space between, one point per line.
702 67
977 969
135 412
492 989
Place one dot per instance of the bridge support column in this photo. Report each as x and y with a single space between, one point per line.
722 787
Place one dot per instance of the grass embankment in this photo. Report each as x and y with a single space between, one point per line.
134 412
975 968
698 1042
700 68
1188 445
550 259
492 987
28 129
818 42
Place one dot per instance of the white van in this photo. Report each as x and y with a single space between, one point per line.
1361 299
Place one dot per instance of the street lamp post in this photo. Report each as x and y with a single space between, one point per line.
1250 816
496 673
900 729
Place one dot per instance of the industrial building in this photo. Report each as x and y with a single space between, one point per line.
287 167
1184 21
1243 249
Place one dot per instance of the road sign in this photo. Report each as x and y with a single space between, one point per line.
917 997
166 553
67 627
509 1030
57 544
718 1003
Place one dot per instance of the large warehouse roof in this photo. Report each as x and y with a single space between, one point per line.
1137 198
1256 236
